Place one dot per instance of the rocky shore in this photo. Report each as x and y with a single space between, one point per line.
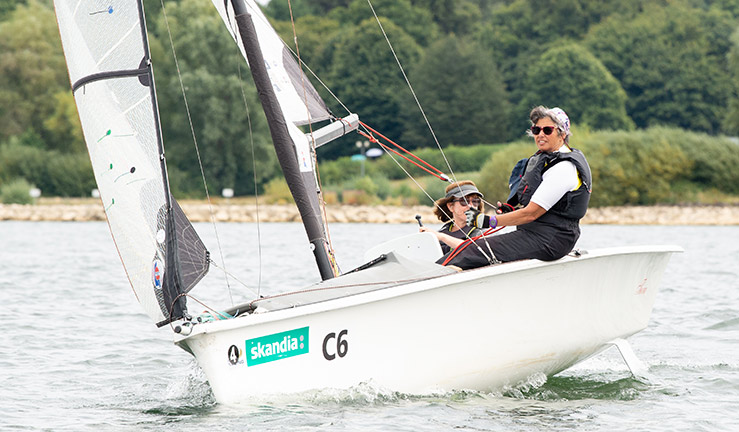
92 210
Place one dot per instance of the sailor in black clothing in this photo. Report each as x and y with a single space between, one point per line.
546 205
460 197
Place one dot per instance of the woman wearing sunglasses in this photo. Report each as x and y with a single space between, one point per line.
460 197
545 206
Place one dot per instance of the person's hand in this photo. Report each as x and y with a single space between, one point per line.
477 219
422 229
504 208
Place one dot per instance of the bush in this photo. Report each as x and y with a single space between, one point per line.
277 192
651 166
56 173
470 158
16 192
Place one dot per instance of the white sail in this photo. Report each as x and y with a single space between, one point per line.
297 97
106 48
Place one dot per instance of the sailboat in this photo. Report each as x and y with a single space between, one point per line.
400 321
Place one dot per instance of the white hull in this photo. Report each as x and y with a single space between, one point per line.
480 329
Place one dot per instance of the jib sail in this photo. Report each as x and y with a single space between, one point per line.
106 47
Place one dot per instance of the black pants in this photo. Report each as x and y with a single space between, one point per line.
538 241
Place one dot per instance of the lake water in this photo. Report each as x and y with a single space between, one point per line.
77 353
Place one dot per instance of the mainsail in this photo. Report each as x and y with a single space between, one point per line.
107 52
289 100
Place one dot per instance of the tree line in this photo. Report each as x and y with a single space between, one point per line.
476 68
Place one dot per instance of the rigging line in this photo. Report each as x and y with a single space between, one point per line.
314 155
405 171
438 171
397 60
254 169
236 279
390 149
195 141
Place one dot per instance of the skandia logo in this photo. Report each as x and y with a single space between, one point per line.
277 346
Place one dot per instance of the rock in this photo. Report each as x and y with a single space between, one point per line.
59 210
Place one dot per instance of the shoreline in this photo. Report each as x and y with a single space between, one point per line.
84 210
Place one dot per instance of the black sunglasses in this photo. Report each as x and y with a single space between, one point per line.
468 201
547 130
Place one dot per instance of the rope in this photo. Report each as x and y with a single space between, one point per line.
469 241
195 141
434 171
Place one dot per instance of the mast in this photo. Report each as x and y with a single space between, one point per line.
172 284
302 185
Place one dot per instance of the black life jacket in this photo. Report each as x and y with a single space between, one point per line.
573 204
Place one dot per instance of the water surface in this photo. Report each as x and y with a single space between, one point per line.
78 354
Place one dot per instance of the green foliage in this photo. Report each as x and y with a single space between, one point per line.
495 173
226 122
364 72
32 71
676 61
671 63
415 21
570 77
463 96
312 31
462 159
652 166
731 120
55 173
280 10
16 192
453 16
277 191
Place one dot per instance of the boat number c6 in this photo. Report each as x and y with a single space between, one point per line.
342 345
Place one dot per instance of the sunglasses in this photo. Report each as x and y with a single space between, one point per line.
547 130
469 201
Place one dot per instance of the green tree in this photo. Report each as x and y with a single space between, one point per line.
521 30
671 61
571 77
280 10
458 17
313 32
7 6
365 76
214 75
731 120
415 21
32 72
462 94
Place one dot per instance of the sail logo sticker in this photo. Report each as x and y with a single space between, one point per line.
156 274
277 346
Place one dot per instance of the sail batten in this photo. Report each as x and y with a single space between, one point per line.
113 86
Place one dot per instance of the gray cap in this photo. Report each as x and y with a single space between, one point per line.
462 191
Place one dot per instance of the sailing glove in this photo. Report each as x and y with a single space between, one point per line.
505 208
480 220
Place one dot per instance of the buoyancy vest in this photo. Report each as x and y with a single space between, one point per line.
573 204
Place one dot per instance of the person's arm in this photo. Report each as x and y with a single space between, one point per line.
448 240
522 216
556 182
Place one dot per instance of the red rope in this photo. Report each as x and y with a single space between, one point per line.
374 140
438 174
468 242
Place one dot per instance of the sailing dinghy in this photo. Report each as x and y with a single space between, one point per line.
400 322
